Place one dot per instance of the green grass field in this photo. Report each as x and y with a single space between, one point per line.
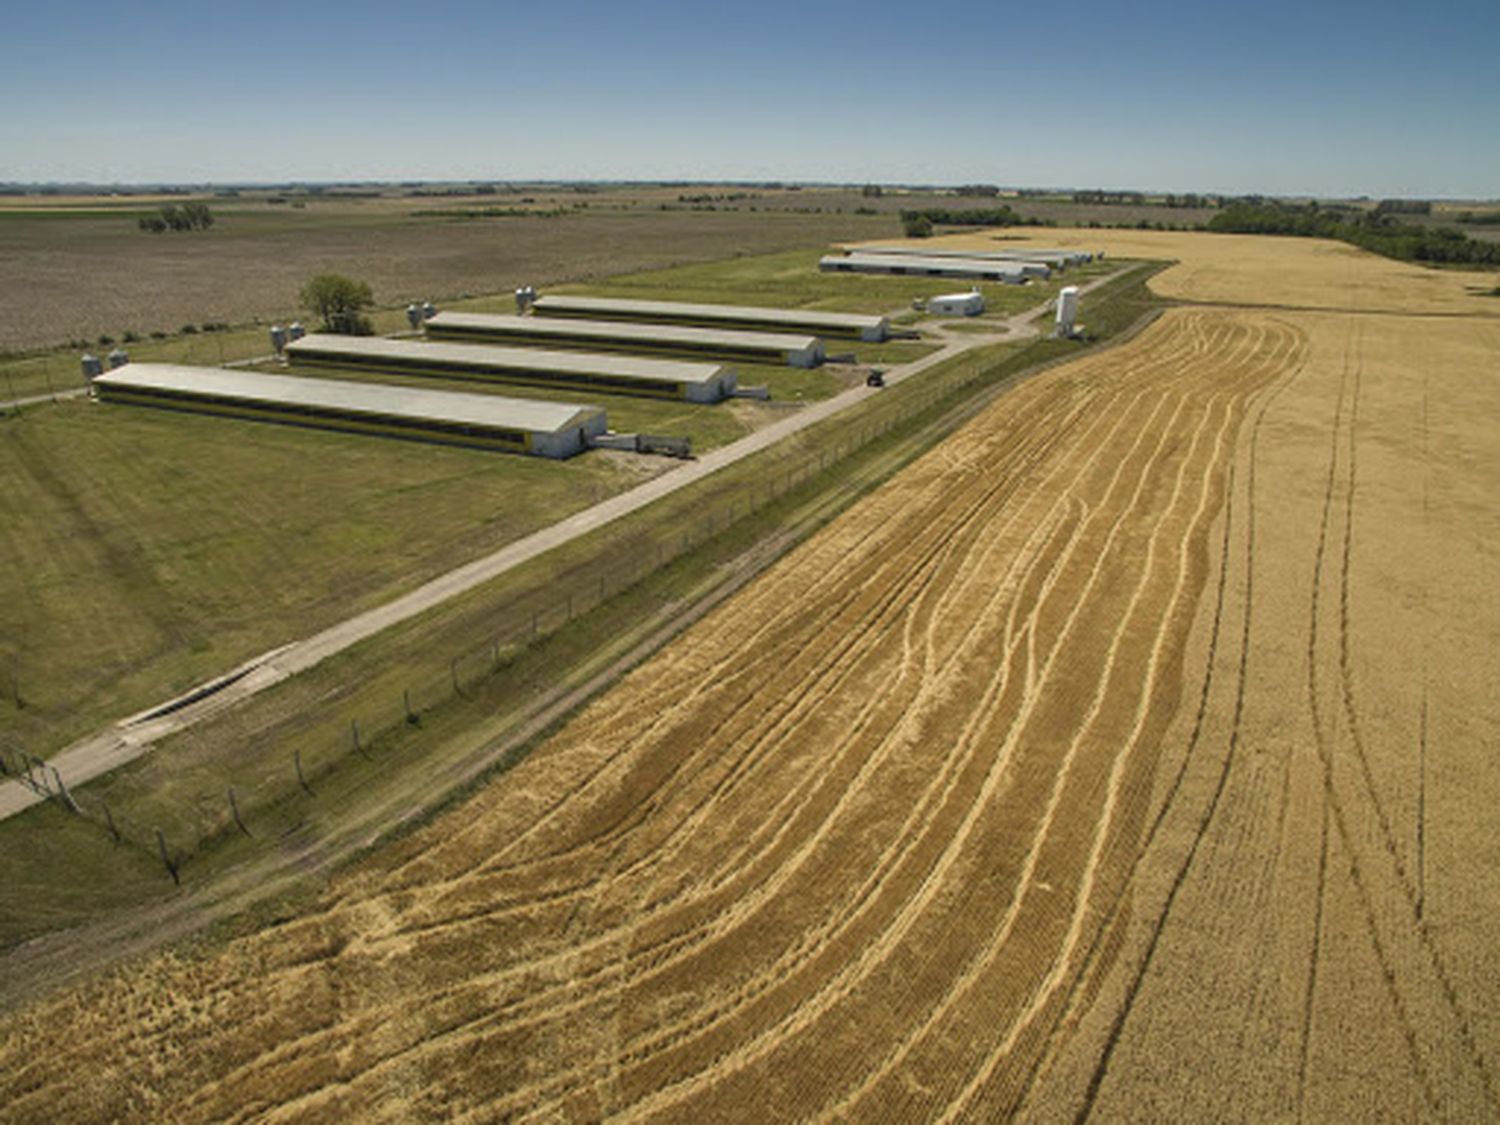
146 550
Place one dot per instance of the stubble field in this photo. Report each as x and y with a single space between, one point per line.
1271 272
1125 756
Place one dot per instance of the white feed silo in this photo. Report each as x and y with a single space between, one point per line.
1067 310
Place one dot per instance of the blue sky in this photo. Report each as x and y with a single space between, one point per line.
1281 98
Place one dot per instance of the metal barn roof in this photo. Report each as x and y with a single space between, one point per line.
607 307
570 328
349 397
488 357
944 252
933 266
1047 256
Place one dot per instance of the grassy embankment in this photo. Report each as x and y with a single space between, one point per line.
588 603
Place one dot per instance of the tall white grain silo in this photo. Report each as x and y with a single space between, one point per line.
1067 311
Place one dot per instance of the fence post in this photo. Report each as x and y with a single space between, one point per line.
301 780
453 674
39 781
166 859
354 737
109 820
67 797
411 716
234 807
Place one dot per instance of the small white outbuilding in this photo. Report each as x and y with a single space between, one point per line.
957 304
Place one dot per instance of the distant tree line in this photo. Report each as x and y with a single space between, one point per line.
1139 224
496 212
178 216
1189 200
1404 207
919 224
1376 231
722 197
1099 195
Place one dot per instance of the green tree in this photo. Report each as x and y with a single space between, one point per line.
917 225
339 302
198 216
189 216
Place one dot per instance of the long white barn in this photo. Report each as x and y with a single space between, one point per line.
1058 259
485 421
901 265
636 339
870 328
566 370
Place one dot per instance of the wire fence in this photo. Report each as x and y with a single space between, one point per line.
357 717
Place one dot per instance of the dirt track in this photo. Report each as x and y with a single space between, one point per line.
1125 755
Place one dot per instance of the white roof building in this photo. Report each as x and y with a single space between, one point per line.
517 425
624 336
871 328
567 370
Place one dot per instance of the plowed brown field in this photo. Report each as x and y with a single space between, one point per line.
1129 754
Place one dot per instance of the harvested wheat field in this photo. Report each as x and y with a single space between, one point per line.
1127 755
1270 272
